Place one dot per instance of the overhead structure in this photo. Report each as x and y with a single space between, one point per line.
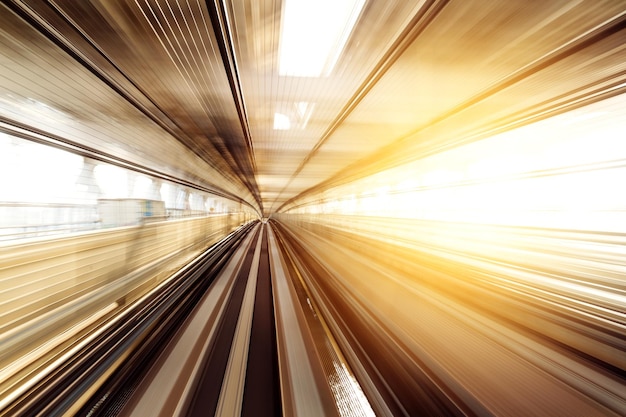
274 101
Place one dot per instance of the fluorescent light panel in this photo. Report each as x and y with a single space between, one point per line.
294 116
313 35
281 122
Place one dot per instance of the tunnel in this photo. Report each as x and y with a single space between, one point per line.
311 208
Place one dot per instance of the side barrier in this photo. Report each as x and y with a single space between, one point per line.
564 284
54 291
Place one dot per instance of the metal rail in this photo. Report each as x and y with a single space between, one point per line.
254 345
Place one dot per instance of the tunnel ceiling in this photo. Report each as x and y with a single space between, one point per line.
410 78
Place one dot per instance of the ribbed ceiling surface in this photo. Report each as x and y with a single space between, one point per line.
413 77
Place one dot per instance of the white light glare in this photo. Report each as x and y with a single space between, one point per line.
313 35
281 122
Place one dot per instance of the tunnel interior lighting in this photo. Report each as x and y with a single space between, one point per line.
313 34
557 173
289 115
113 181
32 172
281 122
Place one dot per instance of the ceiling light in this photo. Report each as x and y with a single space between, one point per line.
313 35
281 122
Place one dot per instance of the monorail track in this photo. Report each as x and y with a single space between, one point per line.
233 333
253 346
266 324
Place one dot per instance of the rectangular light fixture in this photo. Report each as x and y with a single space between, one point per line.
293 116
313 34
281 122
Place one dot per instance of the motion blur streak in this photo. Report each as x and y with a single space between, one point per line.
512 248
443 181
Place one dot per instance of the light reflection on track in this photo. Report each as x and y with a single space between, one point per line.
227 358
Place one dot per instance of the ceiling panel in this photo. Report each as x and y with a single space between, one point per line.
44 91
169 50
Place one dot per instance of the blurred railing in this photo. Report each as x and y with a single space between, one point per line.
579 274
27 220
35 220
54 291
